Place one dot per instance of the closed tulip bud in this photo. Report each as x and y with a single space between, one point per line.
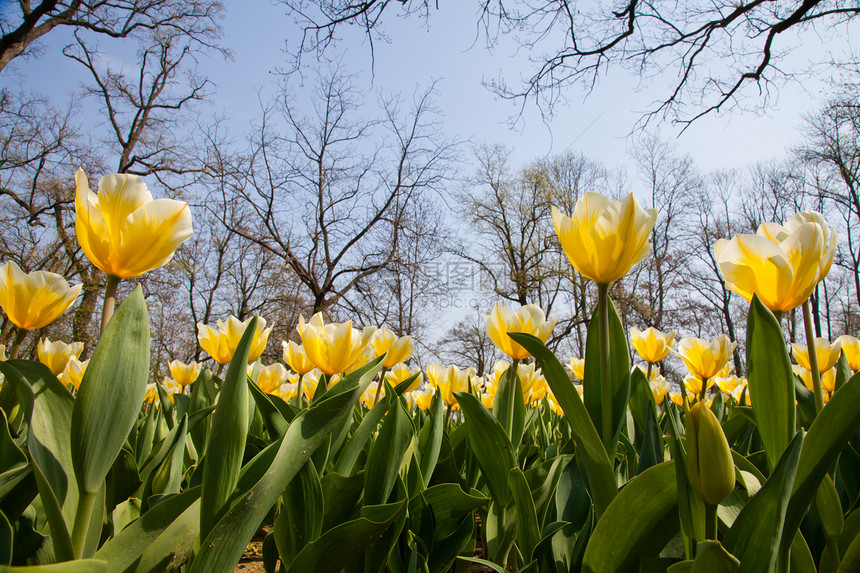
55 355
604 238
396 349
827 354
651 344
851 346
36 299
184 374
710 468
122 230
528 318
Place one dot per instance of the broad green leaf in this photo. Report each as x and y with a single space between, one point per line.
340 497
771 381
490 445
851 560
226 444
338 547
755 535
163 535
598 467
167 475
430 440
509 406
449 505
273 470
16 394
829 507
619 376
827 436
639 521
446 551
276 423
13 462
383 460
712 557
108 402
527 522
79 566
6 540
301 518
843 370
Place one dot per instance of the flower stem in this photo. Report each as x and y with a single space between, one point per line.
710 521
379 386
110 300
20 333
813 357
605 380
704 389
86 503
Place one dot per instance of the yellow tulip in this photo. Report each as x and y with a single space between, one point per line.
270 378
122 230
780 264
553 404
828 378
73 372
333 347
528 318
396 349
296 357
827 354
449 380
400 372
55 355
659 388
604 238
184 374
488 400
651 344
151 393
289 390
728 383
710 468
371 396
693 384
577 367
677 398
171 387
851 346
423 398
705 359
36 299
738 393
221 344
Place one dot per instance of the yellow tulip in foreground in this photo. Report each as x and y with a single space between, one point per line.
651 344
184 374
296 357
333 347
55 355
122 230
221 343
36 299
710 468
851 347
827 354
396 349
528 318
705 359
604 238
781 264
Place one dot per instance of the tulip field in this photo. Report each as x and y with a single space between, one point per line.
346 457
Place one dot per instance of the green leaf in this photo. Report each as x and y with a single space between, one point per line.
712 557
111 393
508 406
843 370
639 522
598 467
340 497
167 475
383 460
619 371
755 535
430 441
226 444
163 535
301 518
276 423
79 566
16 395
771 381
851 560
338 547
449 504
829 507
528 531
13 462
827 436
273 469
490 445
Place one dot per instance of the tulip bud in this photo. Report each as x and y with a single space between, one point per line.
710 468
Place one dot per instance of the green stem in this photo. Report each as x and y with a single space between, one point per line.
110 300
379 386
710 521
605 380
83 515
704 389
20 333
813 358
299 396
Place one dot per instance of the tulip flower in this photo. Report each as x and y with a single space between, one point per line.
528 318
694 385
651 344
270 378
296 357
33 300
851 347
122 230
396 349
449 380
705 359
333 347
400 373
604 238
710 468
659 388
577 367
826 353
828 378
728 383
73 372
221 343
741 394
55 355
424 397
151 393
184 374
